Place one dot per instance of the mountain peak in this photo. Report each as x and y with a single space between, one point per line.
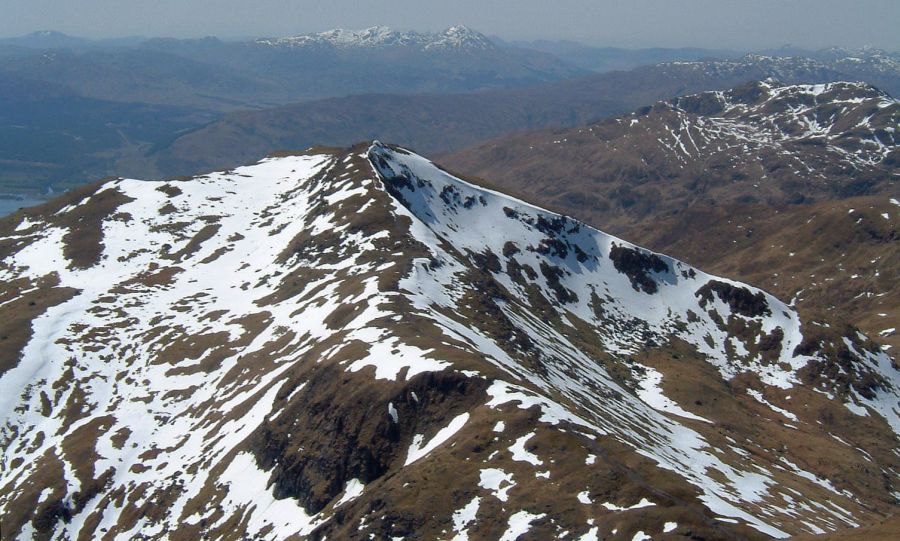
356 343
462 37
47 39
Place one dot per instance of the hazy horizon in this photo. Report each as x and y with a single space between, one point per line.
722 24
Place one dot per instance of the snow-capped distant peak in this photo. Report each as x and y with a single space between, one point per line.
460 37
455 37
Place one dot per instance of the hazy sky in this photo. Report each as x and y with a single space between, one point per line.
740 24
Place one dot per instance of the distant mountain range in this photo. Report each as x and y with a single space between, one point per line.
442 123
51 39
76 109
603 59
456 88
867 60
227 75
379 37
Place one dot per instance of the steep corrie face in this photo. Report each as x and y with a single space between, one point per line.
355 343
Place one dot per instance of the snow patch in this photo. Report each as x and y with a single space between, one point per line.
417 450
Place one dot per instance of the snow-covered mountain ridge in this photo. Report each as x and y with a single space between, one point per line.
357 343
786 67
455 37
855 121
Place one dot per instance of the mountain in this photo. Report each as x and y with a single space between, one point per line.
199 79
54 139
230 75
875 66
51 39
135 75
871 56
355 344
715 178
113 103
45 39
378 59
455 37
444 123
760 142
79 109
603 59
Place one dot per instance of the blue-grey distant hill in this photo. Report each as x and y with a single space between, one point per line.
228 75
602 59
